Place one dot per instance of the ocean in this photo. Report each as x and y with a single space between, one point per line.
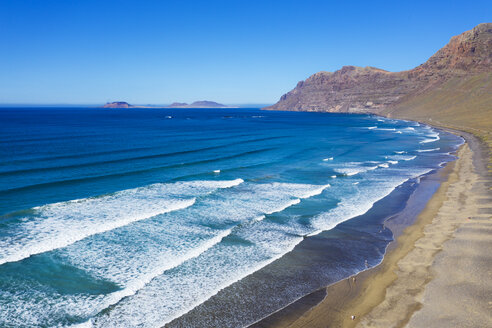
194 217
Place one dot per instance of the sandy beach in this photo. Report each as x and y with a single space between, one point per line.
435 274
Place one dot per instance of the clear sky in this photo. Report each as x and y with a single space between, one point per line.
157 52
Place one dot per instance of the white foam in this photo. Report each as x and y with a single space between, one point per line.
53 233
314 233
134 255
384 165
216 171
58 225
135 285
428 140
393 162
259 218
333 176
219 267
434 134
354 205
327 159
229 184
315 192
402 157
284 206
356 183
199 279
432 137
349 171
371 127
353 168
400 152
426 150
225 262
87 324
139 283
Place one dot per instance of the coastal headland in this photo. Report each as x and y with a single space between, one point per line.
453 89
437 271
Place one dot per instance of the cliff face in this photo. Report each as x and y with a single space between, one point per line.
457 88
350 89
468 52
368 89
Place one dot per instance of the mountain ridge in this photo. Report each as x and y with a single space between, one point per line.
372 90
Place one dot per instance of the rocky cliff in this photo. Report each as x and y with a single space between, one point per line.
350 89
467 59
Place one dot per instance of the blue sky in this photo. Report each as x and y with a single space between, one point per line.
157 52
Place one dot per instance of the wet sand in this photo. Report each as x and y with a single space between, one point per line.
436 273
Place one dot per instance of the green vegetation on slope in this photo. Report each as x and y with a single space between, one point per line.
462 103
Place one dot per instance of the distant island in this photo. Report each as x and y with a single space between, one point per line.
117 104
196 104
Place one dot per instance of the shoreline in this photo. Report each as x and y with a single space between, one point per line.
374 296
317 261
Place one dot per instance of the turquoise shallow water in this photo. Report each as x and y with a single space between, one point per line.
113 218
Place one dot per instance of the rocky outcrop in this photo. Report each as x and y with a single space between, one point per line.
369 89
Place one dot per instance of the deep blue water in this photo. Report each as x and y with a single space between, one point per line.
134 217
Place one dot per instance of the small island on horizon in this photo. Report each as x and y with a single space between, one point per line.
196 104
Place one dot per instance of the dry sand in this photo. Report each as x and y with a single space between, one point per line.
439 273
